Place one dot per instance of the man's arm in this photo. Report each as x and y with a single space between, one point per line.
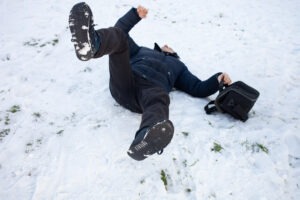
131 18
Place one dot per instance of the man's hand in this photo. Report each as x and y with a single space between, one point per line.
142 11
168 49
225 78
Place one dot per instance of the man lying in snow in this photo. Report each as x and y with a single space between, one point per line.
140 78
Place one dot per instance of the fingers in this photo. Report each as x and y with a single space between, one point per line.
168 49
225 78
142 11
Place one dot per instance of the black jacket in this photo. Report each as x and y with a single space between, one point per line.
148 63
162 69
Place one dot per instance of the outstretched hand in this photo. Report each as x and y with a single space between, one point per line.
142 11
225 78
168 49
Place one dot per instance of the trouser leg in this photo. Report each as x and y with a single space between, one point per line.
122 85
155 106
156 131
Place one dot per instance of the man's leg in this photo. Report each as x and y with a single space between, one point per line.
122 84
155 105
123 87
111 41
156 131
84 37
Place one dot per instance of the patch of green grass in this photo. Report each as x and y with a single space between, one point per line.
194 163
36 114
29 147
4 133
142 181
33 42
185 133
6 58
87 69
39 141
60 132
217 147
51 42
188 190
14 109
184 163
255 147
163 177
7 120
261 147
55 41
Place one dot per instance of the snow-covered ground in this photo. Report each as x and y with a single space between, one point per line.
62 136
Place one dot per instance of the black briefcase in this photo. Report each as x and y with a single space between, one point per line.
236 99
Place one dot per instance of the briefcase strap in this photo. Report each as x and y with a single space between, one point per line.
210 109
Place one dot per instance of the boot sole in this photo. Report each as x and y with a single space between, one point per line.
155 140
79 23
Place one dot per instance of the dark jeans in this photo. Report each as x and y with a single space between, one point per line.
128 89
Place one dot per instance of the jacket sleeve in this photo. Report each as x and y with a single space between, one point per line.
211 85
128 21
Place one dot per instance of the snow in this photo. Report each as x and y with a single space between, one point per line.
62 136
85 49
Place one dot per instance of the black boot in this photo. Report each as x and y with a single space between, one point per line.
85 39
151 140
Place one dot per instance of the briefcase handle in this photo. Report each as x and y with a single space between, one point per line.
222 86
